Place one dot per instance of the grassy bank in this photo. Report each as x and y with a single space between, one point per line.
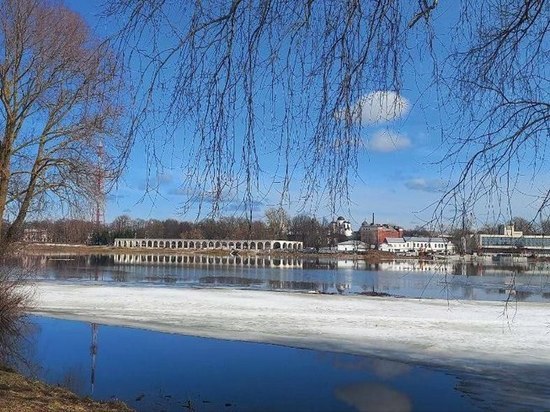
18 393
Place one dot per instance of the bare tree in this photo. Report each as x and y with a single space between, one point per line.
58 89
498 95
58 110
545 226
278 222
308 230
302 77
524 225
247 79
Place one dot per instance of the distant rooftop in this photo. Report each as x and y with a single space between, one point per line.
395 240
425 239
352 242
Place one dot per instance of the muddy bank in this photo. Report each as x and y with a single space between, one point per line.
18 393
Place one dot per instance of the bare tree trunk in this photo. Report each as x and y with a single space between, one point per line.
14 230
58 92
5 155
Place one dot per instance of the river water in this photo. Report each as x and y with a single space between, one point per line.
408 278
154 371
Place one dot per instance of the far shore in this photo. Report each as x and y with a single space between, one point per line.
371 256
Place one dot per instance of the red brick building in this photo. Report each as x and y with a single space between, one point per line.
373 234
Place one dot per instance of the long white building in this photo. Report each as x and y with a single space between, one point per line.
417 245
514 240
192 244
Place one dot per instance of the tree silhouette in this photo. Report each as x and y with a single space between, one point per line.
58 108
304 77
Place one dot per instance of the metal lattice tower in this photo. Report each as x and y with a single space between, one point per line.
99 206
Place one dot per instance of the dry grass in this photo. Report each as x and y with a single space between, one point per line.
18 393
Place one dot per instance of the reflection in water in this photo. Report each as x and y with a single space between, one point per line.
413 266
93 353
382 368
512 388
409 278
158 371
74 379
389 369
144 259
374 397
230 281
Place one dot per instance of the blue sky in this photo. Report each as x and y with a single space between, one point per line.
398 178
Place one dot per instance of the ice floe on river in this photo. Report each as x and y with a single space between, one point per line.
410 329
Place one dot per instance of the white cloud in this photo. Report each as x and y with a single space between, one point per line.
387 141
165 178
154 182
426 185
377 107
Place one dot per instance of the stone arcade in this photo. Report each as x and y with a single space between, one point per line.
193 244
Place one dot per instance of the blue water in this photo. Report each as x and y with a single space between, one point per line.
528 282
154 371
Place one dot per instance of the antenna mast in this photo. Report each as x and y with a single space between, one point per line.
99 212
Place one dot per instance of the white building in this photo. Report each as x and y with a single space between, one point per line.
341 226
36 236
514 240
352 246
394 245
404 245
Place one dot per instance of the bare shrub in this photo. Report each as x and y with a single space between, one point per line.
15 298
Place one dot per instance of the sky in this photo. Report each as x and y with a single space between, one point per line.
398 176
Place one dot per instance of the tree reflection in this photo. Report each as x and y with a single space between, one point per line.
15 298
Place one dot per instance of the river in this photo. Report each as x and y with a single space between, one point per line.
164 371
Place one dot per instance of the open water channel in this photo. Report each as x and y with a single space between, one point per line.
407 278
154 371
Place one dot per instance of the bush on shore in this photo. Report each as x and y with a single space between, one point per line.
15 297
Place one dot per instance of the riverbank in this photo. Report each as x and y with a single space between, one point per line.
21 394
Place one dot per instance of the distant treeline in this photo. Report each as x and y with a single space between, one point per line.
277 224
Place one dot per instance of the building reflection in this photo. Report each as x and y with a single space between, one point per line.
144 259
481 280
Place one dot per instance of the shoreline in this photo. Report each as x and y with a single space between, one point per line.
22 394
371 256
